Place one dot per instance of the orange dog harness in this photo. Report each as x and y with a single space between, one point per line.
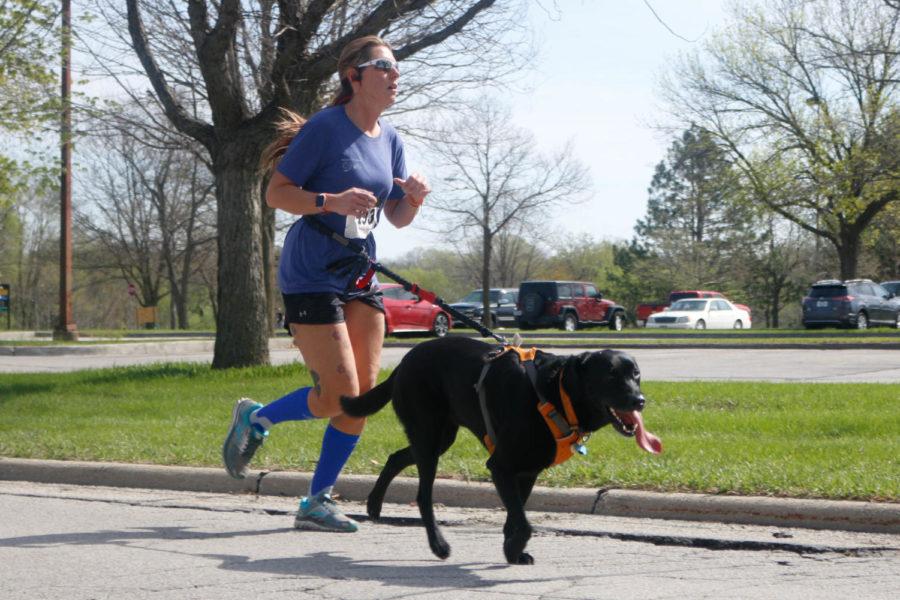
564 428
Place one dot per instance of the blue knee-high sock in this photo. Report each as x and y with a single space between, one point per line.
292 407
337 447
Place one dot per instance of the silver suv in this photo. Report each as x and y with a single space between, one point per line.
853 303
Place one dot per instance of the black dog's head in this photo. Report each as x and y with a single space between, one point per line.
606 386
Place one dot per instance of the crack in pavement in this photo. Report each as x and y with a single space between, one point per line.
718 544
656 540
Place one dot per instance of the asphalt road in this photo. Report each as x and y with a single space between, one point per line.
77 543
678 364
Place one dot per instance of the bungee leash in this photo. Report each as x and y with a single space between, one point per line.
363 265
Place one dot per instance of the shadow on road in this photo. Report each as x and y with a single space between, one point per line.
426 572
96 538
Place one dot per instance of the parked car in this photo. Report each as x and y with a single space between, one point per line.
503 310
697 313
643 311
566 304
502 301
892 286
406 312
852 303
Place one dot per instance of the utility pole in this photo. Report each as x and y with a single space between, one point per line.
66 328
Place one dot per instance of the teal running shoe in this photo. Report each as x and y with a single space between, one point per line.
243 439
320 513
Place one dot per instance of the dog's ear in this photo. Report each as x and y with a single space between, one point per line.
582 361
573 369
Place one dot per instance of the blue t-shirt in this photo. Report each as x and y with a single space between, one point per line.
330 155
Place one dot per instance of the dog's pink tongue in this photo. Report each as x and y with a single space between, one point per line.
646 440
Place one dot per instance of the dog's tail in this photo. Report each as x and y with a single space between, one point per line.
370 402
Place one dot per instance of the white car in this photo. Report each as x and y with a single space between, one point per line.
699 313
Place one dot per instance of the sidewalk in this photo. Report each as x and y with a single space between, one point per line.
176 344
777 512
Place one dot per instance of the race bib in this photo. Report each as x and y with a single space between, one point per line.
360 227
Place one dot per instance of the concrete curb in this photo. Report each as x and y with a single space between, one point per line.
751 510
173 348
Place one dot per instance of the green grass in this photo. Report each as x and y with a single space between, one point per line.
801 440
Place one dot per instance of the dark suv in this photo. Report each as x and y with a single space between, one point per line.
502 301
565 304
853 303
503 310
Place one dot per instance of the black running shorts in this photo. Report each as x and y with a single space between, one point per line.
324 308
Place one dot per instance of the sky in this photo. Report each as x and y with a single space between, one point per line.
596 85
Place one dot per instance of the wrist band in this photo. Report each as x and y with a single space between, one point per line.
320 203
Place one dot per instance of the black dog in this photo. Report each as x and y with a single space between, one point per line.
433 389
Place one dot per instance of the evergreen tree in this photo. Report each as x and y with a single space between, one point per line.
696 221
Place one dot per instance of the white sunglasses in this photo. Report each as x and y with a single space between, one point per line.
382 64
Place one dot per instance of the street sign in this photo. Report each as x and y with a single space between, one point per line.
146 317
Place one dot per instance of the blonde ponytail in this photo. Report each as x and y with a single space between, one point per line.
285 131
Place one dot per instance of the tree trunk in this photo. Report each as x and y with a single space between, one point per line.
175 293
182 307
848 252
486 315
242 332
268 249
775 309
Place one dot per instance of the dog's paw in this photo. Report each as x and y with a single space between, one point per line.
524 559
514 545
373 509
440 547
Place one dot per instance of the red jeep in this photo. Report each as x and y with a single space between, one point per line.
565 304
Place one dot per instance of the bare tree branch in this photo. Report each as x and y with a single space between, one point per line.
176 113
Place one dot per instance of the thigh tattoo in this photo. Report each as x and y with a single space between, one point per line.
316 385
